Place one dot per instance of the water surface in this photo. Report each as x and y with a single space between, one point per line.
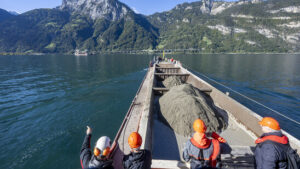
46 101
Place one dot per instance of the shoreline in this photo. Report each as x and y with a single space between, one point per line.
142 52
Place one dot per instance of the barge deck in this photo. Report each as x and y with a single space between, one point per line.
166 146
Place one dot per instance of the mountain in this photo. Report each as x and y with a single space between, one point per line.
14 13
77 24
108 9
109 25
4 15
244 26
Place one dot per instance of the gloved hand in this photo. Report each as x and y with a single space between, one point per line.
219 138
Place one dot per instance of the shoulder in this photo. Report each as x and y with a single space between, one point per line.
189 143
269 147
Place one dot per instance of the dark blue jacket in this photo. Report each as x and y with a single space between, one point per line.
89 161
270 155
137 160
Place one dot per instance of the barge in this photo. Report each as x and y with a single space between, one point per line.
167 146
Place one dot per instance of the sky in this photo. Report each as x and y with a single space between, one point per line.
145 7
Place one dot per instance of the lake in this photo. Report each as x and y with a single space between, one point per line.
47 101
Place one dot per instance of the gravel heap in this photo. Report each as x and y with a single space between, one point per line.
172 81
183 104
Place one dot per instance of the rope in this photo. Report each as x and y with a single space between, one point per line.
278 113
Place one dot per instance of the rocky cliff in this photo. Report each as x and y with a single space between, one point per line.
108 9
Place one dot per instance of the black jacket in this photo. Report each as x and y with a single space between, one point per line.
89 161
270 155
138 160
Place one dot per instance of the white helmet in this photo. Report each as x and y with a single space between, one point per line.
103 142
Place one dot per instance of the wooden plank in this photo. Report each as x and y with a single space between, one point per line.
168 68
172 74
166 89
160 89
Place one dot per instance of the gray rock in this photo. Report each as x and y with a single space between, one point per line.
206 6
108 9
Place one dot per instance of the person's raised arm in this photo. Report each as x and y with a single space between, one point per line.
85 152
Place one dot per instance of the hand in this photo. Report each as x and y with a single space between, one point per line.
219 138
88 130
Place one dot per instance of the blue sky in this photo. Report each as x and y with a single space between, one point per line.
142 6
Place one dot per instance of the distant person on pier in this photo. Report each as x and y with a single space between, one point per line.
137 158
202 151
273 150
99 159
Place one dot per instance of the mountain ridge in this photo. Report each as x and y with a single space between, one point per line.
62 30
109 25
4 15
243 26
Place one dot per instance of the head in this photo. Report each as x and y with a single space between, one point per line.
102 148
135 141
199 126
269 124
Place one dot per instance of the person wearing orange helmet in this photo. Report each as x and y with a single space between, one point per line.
202 151
138 158
270 151
97 160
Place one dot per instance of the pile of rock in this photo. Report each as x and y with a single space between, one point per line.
182 104
172 81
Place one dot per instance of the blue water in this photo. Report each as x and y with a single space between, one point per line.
47 101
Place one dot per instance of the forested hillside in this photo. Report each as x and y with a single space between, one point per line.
109 25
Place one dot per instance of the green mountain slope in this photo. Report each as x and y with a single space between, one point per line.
59 31
109 25
238 27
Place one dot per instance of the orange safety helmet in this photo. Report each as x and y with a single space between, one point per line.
199 126
270 122
135 140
